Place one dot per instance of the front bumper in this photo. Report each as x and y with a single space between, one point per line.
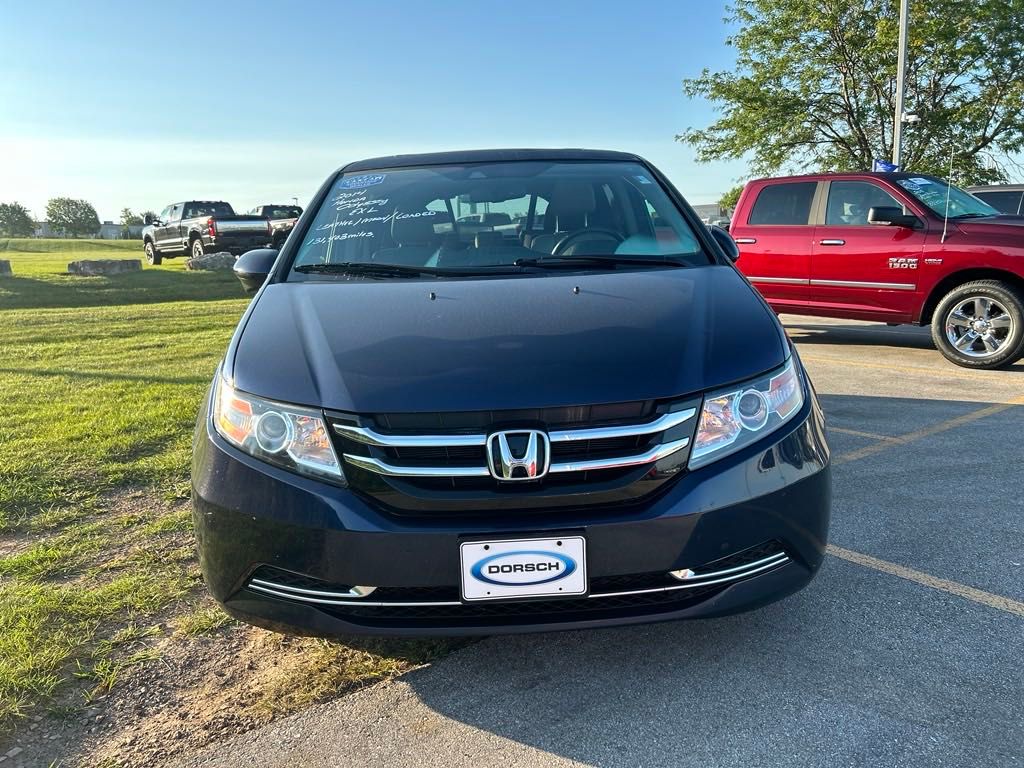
250 516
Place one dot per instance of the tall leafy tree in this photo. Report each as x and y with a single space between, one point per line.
814 87
72 217
129 219
728 200
15 220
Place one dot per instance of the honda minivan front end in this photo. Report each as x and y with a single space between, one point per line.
505 391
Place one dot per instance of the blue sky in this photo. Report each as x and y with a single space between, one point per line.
257 102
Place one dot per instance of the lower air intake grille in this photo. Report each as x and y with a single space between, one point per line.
609 595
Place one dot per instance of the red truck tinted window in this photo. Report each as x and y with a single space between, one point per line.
788 203
850 201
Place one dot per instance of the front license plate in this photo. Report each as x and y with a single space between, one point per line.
516 568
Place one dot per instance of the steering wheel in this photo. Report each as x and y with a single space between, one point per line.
563 245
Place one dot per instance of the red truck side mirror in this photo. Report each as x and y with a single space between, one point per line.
890 215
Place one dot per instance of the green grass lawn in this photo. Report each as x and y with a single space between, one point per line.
100 382
100 379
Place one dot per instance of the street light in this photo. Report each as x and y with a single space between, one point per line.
901 76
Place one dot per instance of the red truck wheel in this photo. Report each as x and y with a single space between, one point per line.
980 325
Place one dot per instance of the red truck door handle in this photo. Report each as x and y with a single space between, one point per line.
831 242
746 240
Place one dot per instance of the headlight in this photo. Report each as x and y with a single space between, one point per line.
735 417
287 435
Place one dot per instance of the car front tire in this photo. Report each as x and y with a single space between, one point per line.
153 257
980 325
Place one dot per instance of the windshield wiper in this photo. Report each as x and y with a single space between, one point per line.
972 216
608 262
375 269
365 268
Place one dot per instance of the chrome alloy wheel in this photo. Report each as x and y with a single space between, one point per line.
978 326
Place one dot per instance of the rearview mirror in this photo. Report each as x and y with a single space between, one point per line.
253 267
890 215
725 242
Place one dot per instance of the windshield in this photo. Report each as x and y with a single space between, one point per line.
932 193
195 210
282 212
491 215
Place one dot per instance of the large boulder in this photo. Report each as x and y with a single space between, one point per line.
5 268
94 267
211 261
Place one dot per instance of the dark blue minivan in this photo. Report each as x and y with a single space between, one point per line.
505 391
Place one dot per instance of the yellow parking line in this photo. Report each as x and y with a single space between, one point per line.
858 433
942 426
999 602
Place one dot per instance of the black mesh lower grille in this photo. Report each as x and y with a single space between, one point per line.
537 610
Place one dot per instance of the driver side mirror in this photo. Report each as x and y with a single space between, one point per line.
725 242
253 267
149 218
890 215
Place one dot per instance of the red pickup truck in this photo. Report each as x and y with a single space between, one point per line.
895 247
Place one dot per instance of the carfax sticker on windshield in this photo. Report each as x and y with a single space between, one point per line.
919 180
359 182
642 179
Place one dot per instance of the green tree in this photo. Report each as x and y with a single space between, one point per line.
72 217
728 200
814 87
15 220
129 219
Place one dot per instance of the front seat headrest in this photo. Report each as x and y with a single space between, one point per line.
414 230
486 239
572 198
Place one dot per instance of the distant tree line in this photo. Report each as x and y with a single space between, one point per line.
66 216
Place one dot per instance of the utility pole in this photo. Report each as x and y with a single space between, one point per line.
901 76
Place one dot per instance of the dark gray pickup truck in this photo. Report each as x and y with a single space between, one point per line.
196 227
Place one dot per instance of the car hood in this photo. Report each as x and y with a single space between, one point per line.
993 225
391 346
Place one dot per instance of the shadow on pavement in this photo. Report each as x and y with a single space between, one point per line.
840 673
899 337
880 336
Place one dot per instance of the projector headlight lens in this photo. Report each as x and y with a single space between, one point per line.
289 436
738 416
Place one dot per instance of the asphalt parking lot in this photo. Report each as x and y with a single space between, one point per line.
905 651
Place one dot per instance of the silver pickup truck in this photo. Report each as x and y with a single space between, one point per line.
282 220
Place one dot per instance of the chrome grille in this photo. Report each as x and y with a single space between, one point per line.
438 463
464 455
